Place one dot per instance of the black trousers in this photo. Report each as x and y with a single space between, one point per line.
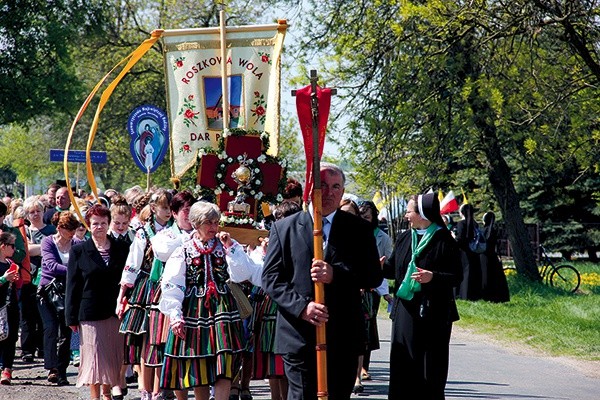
31 323
367 355
57 339
8 346
301 372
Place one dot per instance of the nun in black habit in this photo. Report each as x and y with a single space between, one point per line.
426 266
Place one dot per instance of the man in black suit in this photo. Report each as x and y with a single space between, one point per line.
351 263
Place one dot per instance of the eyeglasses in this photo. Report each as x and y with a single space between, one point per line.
210 223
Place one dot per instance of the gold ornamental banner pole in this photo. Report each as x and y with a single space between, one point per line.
130 61
224 81
321 346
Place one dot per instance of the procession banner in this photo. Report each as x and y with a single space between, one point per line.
193 65
149 136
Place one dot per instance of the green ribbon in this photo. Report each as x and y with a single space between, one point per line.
409 286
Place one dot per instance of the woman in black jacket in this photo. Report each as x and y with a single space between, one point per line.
93 275
425 264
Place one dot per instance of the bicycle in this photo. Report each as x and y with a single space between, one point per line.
562 276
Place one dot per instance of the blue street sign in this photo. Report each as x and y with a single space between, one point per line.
78 156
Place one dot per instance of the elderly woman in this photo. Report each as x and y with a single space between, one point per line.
425 264
93 274
57 336
204 343
37 230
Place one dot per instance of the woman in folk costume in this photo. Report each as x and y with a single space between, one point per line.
266 364
170 239
121 214
206 336
426 266
137 290
160 246
163 245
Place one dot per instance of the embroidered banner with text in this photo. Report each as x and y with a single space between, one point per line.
193 66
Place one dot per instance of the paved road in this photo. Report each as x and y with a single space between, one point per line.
479 369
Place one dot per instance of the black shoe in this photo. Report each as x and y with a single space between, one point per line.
132 379
124 391
358 389
27 358
117 397
245 394
63 382
53 376
234 393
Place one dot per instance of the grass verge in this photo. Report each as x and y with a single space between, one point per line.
544 318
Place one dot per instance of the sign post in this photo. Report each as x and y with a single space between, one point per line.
77 156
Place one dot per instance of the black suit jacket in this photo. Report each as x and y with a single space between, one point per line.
352 253
92 286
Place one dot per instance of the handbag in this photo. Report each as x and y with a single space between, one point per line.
244 306
478 244
54 293
4 329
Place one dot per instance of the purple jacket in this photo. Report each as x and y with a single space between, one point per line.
52 266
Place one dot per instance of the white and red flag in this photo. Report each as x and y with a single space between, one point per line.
448 204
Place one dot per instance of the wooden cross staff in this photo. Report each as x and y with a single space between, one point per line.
317 148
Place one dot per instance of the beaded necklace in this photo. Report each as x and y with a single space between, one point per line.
207 250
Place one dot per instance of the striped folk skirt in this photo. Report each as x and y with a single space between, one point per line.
158 330
211 349
135 320
267 364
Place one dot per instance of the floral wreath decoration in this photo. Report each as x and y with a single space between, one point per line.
254 164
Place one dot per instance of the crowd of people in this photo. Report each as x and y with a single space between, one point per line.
141 285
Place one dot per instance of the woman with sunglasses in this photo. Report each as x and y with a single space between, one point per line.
32 329
57 335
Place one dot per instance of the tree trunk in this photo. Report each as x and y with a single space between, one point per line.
504 190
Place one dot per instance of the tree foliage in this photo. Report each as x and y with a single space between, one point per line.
37 66
56 46
490 96
25 150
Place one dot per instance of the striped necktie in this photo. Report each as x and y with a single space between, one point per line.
326 229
